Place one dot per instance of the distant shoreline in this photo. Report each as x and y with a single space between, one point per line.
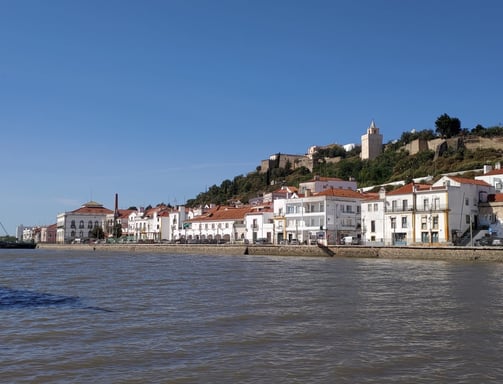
486 254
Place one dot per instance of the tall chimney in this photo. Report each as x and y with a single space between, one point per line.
116 207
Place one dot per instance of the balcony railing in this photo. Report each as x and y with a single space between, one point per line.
436 208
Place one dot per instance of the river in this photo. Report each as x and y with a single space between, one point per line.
112 317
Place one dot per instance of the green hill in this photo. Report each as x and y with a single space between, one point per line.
464 152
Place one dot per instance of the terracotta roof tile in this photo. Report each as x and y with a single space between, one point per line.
340 192
464 180
222 213
407 189
494 172
92 208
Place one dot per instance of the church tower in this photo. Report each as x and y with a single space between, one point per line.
371 143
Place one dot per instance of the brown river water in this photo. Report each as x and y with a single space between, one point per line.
80 317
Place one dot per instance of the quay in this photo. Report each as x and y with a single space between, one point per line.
446 253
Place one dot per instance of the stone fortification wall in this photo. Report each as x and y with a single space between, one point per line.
490 254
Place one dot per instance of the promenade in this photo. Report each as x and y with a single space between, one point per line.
487 254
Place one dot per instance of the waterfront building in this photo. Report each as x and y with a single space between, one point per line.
48 234
151 225
372 213
221 224
176 219
444 212
77 225
326 216
119 218
491 214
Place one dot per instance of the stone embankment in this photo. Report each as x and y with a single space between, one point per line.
491 254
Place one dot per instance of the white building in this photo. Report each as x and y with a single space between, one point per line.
151 225
372 212
218 224
327 216
319 184
77 225
425 214
493 177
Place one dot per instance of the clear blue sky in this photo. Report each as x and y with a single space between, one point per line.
158 100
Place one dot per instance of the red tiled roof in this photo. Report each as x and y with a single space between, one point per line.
463 180
407 189
125 212
285 190
494 172
497 198
340 192
222 213
370 195
92 208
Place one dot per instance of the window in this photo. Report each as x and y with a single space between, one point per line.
96 224
436 203
369 207
467 218
404 205
394 205
89 224
81 224
467 201
435 222
376 207
434 237
72 225
393 222
425 238
404 222
372 226
423 223
426 204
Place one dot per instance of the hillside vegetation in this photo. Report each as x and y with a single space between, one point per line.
476 148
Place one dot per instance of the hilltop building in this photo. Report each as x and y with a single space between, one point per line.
371 143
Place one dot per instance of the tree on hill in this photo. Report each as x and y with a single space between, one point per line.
448 126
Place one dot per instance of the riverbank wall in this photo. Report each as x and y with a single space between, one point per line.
489 254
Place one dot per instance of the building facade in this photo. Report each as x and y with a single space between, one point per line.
77 225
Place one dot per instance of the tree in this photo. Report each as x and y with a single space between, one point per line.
448 126
98 233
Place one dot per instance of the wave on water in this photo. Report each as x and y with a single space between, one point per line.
17 299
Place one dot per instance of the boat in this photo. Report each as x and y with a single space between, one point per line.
17 245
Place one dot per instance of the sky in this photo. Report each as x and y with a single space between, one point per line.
159 100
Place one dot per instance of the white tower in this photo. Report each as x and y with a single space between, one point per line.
371 143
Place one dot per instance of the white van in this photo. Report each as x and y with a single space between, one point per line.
349 240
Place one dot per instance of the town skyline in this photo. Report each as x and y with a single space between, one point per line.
160 100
